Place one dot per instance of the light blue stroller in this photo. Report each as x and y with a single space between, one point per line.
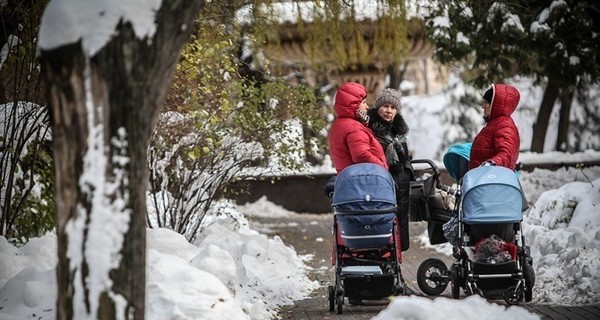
491 258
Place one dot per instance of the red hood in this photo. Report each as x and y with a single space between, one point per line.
505 99
348 99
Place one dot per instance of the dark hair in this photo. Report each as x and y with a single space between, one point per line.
488 95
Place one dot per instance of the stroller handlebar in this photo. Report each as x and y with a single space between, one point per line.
448 189
432 165
436 177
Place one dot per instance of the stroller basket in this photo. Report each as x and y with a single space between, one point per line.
369 287
491 194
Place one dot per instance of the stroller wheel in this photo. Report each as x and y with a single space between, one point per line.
455 282
512 296
339 301
432 276
529 276
331 298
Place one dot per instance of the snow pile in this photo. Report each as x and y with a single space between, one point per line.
563 230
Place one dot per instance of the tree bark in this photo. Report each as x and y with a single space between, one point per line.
126 87
396 73
566 100
541 124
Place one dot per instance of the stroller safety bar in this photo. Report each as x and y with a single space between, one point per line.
361 212
498 275
372 236
362 270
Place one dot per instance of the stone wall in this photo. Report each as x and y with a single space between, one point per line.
304 193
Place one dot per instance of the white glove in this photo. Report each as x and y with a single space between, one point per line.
487 163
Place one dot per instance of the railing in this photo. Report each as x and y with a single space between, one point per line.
304 193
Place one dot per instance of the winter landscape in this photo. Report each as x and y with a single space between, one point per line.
231 271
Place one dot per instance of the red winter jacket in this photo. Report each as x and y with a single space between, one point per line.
499 140
350 140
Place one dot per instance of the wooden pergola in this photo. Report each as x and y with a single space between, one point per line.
292 54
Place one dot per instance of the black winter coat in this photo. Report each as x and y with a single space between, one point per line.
392 137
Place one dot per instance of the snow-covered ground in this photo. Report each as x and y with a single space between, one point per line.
233 272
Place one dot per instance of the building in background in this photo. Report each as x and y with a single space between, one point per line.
416 74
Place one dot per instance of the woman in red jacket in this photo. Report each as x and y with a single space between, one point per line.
350 140
498 142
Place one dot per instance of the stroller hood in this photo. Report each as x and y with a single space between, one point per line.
491 194
364 186
456 160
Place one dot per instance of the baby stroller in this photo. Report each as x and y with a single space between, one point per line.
366 250
433 202
429 201
491 258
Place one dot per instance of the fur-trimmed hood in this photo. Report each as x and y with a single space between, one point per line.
380 127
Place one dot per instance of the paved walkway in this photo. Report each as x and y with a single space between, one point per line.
310 235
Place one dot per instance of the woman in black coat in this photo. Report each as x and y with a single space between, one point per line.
390 129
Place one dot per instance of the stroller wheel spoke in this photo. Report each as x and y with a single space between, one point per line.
513 295
432 276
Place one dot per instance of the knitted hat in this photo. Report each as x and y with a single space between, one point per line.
488 95
388 96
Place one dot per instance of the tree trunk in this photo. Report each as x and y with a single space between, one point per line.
566 99
396 73
541 124
103 111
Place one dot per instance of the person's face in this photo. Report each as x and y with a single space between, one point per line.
387 112
363 106
487 109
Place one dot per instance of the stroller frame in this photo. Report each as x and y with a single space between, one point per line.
479 278
474 277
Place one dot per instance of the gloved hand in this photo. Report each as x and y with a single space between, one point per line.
487 163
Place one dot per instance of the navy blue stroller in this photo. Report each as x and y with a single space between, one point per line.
366 247
491 258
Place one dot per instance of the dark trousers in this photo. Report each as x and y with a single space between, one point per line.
402 192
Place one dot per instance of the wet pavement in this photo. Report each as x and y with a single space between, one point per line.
310 235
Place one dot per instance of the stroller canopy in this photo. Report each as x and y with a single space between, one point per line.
491 194
456 160
364 186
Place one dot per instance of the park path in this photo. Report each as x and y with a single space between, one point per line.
310 235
